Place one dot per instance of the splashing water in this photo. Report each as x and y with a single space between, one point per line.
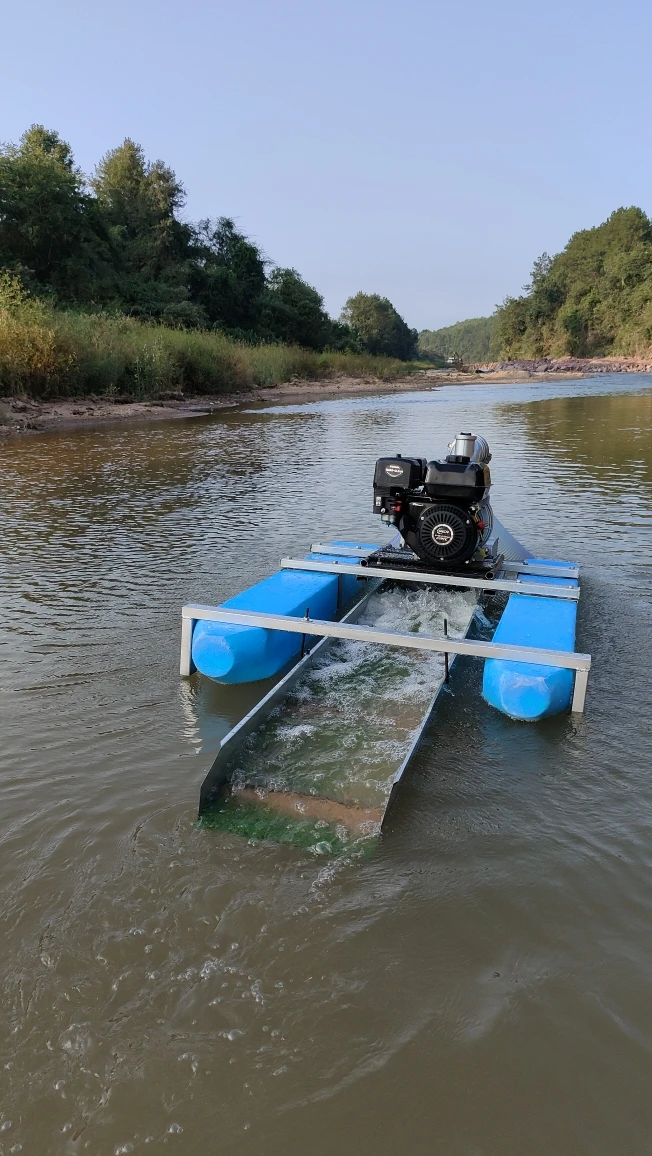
318 773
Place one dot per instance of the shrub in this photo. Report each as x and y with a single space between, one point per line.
50 353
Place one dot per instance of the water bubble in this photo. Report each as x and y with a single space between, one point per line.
279 1071
5 1126
123 1148
234 1034
16 1148
67 1127
175 1128
58 1085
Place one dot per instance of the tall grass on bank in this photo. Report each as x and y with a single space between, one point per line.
48 353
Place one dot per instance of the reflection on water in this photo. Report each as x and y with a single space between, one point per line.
606 441
481 985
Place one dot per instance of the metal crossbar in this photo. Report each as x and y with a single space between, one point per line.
571 593
568 660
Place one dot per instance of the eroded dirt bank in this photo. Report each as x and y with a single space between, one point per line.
24 415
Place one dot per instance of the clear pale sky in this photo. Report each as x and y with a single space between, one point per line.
426 151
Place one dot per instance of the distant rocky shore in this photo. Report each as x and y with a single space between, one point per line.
583 365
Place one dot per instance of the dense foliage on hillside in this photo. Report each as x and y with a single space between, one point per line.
593 298
116 243
470 340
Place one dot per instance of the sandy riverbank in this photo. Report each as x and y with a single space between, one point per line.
19 416
26 415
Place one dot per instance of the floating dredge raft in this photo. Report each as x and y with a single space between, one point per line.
362 638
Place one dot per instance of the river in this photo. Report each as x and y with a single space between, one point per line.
478 987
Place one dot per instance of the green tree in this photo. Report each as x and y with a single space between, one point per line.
139 201
378 327
227 276
293 311
50 230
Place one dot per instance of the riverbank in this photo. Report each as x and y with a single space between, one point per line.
48 355
27 415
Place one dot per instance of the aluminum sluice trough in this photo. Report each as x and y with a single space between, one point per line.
349 629
371 713
218 772
220 781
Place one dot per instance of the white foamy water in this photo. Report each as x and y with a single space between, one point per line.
348 724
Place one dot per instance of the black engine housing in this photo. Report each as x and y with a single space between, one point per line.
441 508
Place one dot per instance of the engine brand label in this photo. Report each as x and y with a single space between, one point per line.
443 535
394 471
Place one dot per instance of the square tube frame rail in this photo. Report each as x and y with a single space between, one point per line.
571 593
567 659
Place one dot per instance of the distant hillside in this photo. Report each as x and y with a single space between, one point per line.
468 339
593 299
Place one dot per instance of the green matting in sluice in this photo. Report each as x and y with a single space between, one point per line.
257 822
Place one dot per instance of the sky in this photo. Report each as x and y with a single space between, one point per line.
426 151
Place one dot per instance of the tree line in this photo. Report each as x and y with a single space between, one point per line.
469 340
592 299
116 242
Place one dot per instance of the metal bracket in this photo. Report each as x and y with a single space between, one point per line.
344 551
525 567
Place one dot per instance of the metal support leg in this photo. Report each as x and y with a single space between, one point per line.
186 666
579 693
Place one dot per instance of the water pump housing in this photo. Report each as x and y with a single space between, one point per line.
440 507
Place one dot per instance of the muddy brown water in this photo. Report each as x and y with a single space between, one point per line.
482 985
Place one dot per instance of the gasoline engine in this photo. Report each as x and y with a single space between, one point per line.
440 508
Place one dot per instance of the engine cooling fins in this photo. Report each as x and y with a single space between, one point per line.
446 532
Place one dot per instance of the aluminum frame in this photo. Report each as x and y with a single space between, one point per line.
566 659
571 593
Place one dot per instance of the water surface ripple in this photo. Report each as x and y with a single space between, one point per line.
481 986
